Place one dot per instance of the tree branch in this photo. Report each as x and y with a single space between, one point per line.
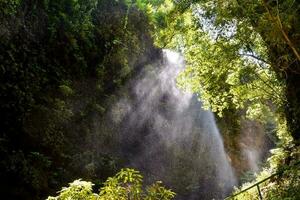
255 57
280 26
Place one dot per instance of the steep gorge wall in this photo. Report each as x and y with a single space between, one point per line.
247 143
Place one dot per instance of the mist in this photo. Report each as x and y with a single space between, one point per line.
164 133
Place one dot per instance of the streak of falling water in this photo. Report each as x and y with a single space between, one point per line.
166 135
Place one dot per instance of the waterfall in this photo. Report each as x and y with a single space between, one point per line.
166 135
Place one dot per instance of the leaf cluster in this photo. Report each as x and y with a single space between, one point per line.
125 185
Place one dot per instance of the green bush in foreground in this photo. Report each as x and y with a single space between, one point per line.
127 184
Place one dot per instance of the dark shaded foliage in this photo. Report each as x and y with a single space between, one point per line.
60 63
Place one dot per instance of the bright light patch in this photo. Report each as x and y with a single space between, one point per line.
172 56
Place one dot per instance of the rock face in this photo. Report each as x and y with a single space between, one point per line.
247 143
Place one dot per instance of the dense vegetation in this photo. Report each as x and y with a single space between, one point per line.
127 184
62 61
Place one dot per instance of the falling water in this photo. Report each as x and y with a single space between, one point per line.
166 135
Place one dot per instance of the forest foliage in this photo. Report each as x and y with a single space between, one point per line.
62 60
127 184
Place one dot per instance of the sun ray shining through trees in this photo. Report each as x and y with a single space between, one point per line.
203 95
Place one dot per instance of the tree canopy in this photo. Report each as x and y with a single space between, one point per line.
239 54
